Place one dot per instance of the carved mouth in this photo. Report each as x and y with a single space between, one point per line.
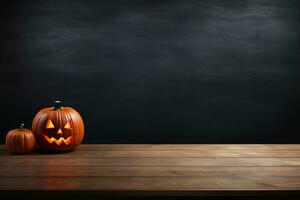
58 141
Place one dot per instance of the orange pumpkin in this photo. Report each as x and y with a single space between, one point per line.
58 128
20 141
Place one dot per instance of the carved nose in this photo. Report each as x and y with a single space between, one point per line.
59 132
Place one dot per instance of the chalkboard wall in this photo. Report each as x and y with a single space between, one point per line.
142 71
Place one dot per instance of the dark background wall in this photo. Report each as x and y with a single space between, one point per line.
155 71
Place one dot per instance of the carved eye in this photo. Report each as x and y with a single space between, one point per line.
67 126
50 124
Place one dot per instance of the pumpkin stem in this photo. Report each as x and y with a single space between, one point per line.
57 105
22 126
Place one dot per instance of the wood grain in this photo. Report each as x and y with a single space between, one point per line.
156 170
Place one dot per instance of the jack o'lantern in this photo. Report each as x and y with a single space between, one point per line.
58 128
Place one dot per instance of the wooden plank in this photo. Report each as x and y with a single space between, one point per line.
169 153
156 170
151 183
140 162
223 193
149 172
97 147
274 151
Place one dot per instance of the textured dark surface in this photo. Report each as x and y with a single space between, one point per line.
155 71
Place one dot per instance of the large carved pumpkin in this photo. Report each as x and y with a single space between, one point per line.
20 141
58 128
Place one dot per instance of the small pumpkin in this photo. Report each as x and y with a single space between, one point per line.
58 128
20 141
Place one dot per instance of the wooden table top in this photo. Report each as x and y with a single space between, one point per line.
152 169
